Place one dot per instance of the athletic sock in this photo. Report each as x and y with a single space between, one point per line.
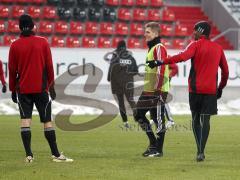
51 138
26 139
196 129
205 128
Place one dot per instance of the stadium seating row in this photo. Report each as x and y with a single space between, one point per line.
92 14
100 18
143 3
100 42
93 28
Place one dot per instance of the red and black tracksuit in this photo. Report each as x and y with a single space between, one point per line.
30 65
30 76
206 56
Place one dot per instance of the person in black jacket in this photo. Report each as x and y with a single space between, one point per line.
121 71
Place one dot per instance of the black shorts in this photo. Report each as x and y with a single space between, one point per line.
203 103
42 102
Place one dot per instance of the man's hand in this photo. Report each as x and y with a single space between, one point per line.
154 63
52 93
219 93
4 89
14 97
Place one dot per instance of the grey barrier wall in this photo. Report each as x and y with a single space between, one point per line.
223 19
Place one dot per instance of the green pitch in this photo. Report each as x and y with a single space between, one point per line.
111 152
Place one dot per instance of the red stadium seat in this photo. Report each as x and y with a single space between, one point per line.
61 27
4 12
91 28
115 41
181 30
168 15
17 11
136 29
167 43
154 15
39 1
57 41
106 28
88 42
104 42
49 12
166 30
34 11
7 1
73 42
45 27
124 14
13 26
2 26
121 28
7 40
127 3
112 2
133 43
23 1
76 28
142 3
139 14
179 43
156 3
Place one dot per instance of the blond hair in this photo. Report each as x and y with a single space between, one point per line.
154 26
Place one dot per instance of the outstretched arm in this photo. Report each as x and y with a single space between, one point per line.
185 55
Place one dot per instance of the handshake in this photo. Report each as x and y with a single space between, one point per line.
154 63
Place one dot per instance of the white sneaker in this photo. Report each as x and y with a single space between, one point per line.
61 158
170 124
29 159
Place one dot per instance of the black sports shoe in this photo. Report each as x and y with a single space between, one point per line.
200 157
152 152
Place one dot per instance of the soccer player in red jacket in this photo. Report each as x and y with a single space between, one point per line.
30 77
206 56
2 78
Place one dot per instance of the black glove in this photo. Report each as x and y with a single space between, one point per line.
14 97
219 93
52 93
4 89
154 63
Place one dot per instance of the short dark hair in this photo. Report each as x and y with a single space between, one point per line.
26 23
203 27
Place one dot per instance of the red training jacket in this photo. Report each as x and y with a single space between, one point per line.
206 56
173 70
30 65
2 78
